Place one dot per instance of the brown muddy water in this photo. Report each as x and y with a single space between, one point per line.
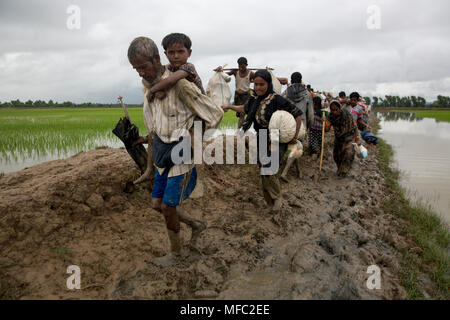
422 153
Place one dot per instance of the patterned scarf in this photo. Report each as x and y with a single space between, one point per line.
343 123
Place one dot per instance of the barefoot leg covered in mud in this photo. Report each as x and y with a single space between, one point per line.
150 171
272 192
196 225
173 231
174 257
286 169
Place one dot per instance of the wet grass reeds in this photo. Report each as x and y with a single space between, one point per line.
36 133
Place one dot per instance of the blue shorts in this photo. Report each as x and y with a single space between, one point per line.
174 190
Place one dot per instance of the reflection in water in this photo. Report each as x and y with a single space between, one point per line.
394 116
422 153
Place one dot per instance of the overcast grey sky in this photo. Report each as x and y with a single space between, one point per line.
328 41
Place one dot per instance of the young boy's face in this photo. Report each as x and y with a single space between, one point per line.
177 54
353 101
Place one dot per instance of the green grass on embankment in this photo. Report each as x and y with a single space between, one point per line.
439 115
425 228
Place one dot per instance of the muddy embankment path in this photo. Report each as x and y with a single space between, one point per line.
74 212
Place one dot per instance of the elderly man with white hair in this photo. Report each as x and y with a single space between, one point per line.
167 121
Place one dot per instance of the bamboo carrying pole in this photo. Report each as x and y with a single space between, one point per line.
323 140
229 69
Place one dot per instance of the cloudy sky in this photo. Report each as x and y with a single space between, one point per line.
43 55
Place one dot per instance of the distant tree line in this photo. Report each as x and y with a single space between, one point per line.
409 102
387 101
50 104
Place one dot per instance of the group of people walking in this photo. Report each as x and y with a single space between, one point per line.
174 98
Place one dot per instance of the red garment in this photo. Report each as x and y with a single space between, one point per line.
193 75
362 104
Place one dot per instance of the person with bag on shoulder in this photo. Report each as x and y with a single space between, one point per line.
259 110
298 95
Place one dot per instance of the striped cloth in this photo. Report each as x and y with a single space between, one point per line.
169 117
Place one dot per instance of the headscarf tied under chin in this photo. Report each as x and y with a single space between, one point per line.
254 103
335 101
335 118
265 75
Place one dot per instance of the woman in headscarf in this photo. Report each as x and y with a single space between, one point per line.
345 132
259 109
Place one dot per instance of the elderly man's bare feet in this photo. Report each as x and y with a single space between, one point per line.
197 228
169 260
276 206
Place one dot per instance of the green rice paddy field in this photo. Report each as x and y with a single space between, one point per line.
60 132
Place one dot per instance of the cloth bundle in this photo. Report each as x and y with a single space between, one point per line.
369 137
218 89
284 123
295 150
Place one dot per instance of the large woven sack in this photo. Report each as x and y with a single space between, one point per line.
218 89
284 123
275 82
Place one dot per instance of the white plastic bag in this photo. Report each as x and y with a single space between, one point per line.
218 89
275 82
361 151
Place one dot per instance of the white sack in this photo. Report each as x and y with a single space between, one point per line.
276 83
284 123
218 89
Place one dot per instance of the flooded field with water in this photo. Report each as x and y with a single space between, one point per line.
421 150
32 136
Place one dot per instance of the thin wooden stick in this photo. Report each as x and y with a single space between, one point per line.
124 107
229 69
323 140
